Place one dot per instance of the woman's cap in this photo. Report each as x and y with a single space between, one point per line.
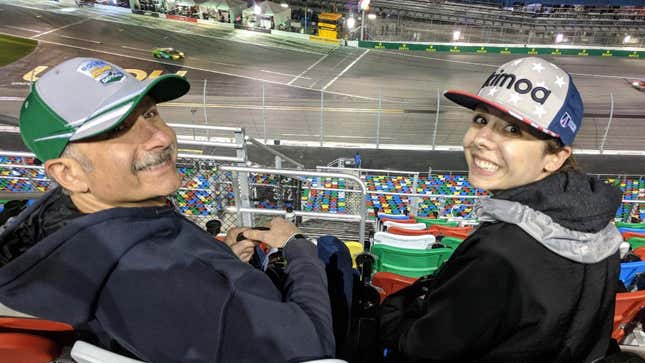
534 91
84 97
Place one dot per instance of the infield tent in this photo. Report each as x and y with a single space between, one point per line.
223 10
271 15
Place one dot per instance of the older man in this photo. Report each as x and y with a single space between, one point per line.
106 253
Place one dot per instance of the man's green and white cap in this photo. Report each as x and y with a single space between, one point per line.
85 97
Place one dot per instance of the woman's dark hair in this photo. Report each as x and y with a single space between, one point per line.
553 146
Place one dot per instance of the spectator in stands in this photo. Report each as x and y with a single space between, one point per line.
106 253
536 281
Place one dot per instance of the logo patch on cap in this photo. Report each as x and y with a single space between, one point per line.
567 121
100 71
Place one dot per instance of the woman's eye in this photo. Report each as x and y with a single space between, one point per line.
513 129
150 114
480 120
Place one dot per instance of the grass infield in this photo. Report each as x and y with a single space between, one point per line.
13 48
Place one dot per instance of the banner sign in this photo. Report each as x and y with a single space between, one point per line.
431 48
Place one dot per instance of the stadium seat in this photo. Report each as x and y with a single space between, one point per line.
630 225
627 306
628 272
410 232
355 248
409 262
27 348
640 252
33 324
451 242
628 235
405 241
390 283
416 226
636 242
83 352
449 231
405 221
393 216
430 221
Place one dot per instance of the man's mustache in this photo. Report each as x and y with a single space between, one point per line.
152 159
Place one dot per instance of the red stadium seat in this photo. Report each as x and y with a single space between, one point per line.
390 282
27 348
627 306
640 252
33 324
384 219
448 231
409 232
628 235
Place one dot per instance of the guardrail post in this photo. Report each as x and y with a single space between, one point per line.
611 115
378 118
414 201
436 120
322 117
242 179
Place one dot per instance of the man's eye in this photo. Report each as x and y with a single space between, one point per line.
150 114
480 120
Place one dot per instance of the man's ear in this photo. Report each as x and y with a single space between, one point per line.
68 173
555 161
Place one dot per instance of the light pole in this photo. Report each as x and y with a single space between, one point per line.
364 4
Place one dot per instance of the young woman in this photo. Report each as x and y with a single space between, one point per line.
536 281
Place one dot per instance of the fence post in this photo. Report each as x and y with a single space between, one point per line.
436 120
611 115
414 201
264 120
378 118
208 132
322 117
242 181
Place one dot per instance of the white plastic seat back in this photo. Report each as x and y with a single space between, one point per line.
83 352
414 242
414 226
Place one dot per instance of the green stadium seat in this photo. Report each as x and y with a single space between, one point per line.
409 262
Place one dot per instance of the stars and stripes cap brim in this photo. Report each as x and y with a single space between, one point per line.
471 101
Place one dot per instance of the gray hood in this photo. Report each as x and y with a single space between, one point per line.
583 247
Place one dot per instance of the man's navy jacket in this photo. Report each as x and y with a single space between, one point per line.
168 292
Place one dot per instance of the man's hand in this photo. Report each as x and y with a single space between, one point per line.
243 249
279 233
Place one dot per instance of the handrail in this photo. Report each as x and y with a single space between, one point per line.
274 152
363 204
368 170
205 127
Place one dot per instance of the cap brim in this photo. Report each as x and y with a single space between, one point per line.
162 89
471 101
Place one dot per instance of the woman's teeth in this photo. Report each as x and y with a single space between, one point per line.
488 166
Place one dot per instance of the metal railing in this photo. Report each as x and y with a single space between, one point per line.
361 217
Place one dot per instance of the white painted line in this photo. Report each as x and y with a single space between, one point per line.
346 69
62 27
21 28
309 68
283 74
339 136
133 48
10 129
11 99
81 39
224 64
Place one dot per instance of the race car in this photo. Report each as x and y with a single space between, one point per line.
167 53
639 85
